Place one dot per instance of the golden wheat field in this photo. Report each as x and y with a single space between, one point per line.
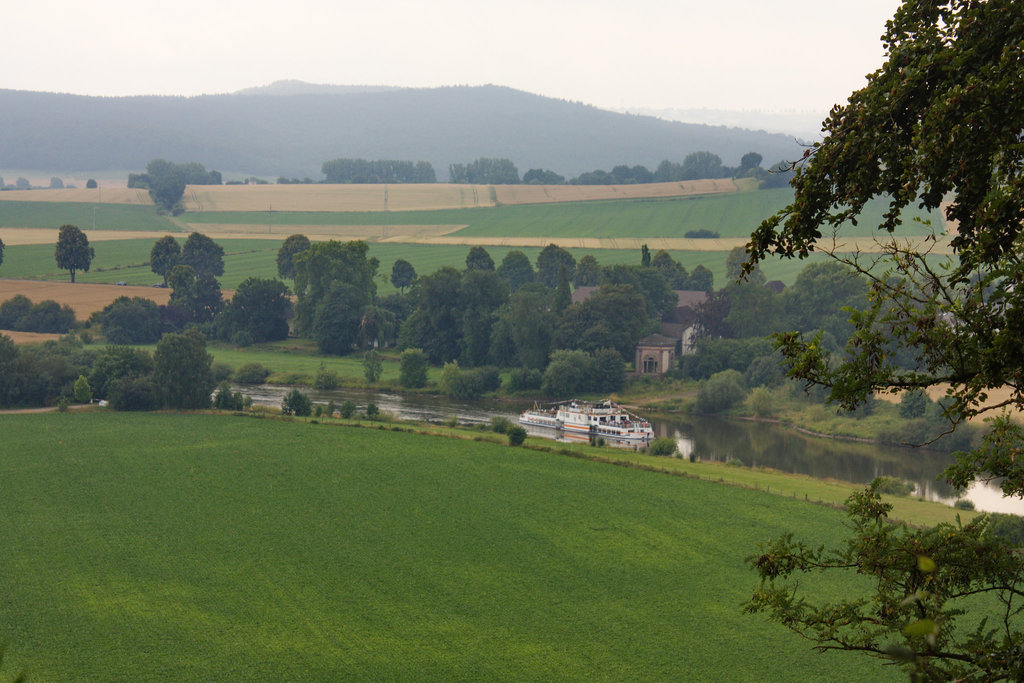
415 197
335 197
84 299
100 195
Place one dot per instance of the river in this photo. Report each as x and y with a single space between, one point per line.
755 444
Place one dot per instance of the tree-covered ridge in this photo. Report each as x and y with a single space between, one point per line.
288 135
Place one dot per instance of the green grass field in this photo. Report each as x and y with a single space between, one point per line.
107 216
168 546
732 215
127 260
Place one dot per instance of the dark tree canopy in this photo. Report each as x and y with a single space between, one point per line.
549 260
380 171
402 274
479 259
1 252
204 255
516 269
166 254
938 125
183 370
334 283
73 251
198 295
295 244
485 171
131 320
259 307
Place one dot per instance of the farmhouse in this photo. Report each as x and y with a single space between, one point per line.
656 354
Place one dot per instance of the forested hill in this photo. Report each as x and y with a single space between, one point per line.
264 133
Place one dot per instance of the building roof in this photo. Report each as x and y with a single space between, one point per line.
658 340
690 298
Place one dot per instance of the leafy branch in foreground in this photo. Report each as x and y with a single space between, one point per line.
928 588
938 125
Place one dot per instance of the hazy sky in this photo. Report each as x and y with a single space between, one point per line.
733 54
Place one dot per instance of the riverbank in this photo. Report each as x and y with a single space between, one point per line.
824 491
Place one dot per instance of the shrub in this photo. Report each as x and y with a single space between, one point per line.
516 435
664 446
81 391
133 394
243 338
372 411
892 486
325 379
963 504
524 379
251 373
221 372
348 409
296 403
703 233
720 392
412 372
225 400
373 367
130 320
761 402
500 425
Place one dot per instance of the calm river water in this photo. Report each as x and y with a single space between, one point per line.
755 444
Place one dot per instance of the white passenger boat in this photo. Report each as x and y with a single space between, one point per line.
585 419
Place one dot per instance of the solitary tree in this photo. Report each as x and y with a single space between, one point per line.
402 274
73 251
166 254
938 125
373 366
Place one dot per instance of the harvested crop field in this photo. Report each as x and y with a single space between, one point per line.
102 195
267 198
28 337
419 197
21 236
84 299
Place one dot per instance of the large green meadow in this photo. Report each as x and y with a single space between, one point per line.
103 216
184 547
128 261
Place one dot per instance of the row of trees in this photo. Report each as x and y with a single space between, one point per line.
179 374
500 171
380 171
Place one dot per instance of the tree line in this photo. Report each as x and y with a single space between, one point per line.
501 171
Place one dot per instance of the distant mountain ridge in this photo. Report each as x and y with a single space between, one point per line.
293 133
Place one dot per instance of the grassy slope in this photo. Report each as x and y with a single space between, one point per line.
108 216
229 549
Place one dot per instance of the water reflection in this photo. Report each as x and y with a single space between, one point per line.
755 444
